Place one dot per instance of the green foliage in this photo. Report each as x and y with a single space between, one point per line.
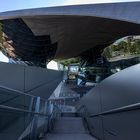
70 61
127 46
107 52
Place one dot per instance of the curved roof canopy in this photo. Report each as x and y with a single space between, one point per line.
68 31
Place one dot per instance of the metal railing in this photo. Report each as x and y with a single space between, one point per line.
39 114
84 112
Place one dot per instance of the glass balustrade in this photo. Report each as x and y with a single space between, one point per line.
22 116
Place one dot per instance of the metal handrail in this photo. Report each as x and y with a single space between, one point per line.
20 110
123 109
60 98
118 110
113 111
17 91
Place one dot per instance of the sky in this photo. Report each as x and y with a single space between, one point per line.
7 5
52 65
3 58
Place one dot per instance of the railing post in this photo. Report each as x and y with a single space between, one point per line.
35 120
45 118
31 106
45 107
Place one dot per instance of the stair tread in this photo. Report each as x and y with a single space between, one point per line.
52 136
69 125
69 128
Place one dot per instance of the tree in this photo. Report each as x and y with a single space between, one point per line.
127 46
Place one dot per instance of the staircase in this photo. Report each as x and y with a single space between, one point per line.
69 128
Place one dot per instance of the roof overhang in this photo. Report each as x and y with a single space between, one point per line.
81 27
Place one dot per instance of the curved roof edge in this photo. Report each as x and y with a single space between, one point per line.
127 11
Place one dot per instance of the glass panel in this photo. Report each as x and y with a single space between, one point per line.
13 124
42 105
14 99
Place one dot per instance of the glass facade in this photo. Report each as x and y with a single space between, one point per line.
121 54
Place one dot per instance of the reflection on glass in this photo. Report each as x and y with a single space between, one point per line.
122 54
